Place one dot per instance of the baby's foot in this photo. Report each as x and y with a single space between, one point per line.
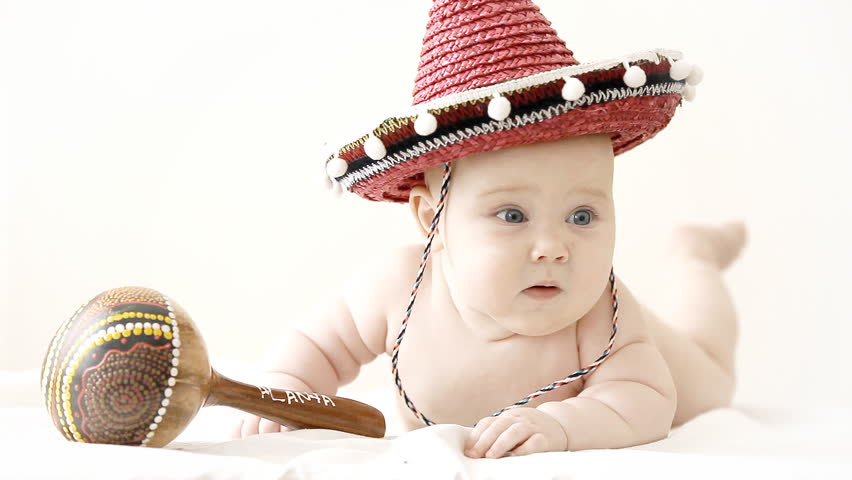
717 245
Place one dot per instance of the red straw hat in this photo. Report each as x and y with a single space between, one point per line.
494 74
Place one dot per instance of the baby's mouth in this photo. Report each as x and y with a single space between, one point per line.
539 292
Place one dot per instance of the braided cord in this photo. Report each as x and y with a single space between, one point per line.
588 369
559 383
395 354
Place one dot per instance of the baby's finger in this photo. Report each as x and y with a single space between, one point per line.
476 432
516 434
268 426
536 443
488 436
237 429
249 426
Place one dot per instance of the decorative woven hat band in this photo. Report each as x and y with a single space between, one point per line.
392 150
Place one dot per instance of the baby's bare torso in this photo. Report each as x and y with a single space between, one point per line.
453 375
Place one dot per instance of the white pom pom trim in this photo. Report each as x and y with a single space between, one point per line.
634 77
327 182
680 70
337 189
374 148
573 89
425 124
336 167
499 108
688 93
695 76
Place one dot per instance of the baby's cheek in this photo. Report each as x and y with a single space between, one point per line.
490 278
482 264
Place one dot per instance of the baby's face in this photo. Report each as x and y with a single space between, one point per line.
538 214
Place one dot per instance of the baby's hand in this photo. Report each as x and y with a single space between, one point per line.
519 431
246 424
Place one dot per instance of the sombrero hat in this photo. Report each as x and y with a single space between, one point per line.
494 74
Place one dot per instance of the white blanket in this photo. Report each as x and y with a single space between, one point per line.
746 441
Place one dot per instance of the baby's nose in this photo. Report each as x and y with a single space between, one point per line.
555 259
550 248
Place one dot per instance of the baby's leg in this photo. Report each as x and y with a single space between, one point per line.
696 330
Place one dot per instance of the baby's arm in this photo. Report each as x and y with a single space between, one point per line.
327 347
629 400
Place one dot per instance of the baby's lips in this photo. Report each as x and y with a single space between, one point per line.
553 287
541 288
546 283
542 293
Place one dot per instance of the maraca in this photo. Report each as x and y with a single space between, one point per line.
130 368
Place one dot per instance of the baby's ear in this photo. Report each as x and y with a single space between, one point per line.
422 203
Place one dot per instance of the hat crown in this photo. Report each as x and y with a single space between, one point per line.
476 43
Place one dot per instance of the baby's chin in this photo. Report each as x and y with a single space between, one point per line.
538 325
525 332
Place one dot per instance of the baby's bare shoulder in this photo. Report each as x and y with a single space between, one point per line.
595 328
378 283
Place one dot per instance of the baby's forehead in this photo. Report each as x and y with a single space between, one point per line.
559 165
478 175
484 175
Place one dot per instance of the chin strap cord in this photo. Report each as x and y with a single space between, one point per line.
588 369
395 354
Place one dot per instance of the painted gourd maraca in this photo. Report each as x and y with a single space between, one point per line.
130 368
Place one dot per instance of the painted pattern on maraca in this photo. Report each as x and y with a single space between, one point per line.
109 372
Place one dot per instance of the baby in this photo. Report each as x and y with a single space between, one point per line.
521 328
515 294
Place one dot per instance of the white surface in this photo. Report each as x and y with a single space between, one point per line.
746 441
742 442
176 145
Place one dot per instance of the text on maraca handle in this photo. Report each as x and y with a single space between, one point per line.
297 397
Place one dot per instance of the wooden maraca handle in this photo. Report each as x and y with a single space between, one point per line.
297 409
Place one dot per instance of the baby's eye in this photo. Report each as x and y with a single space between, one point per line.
511 215
581 217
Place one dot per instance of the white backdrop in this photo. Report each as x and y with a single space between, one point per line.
175 145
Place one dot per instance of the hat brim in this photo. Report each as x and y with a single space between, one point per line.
539 113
